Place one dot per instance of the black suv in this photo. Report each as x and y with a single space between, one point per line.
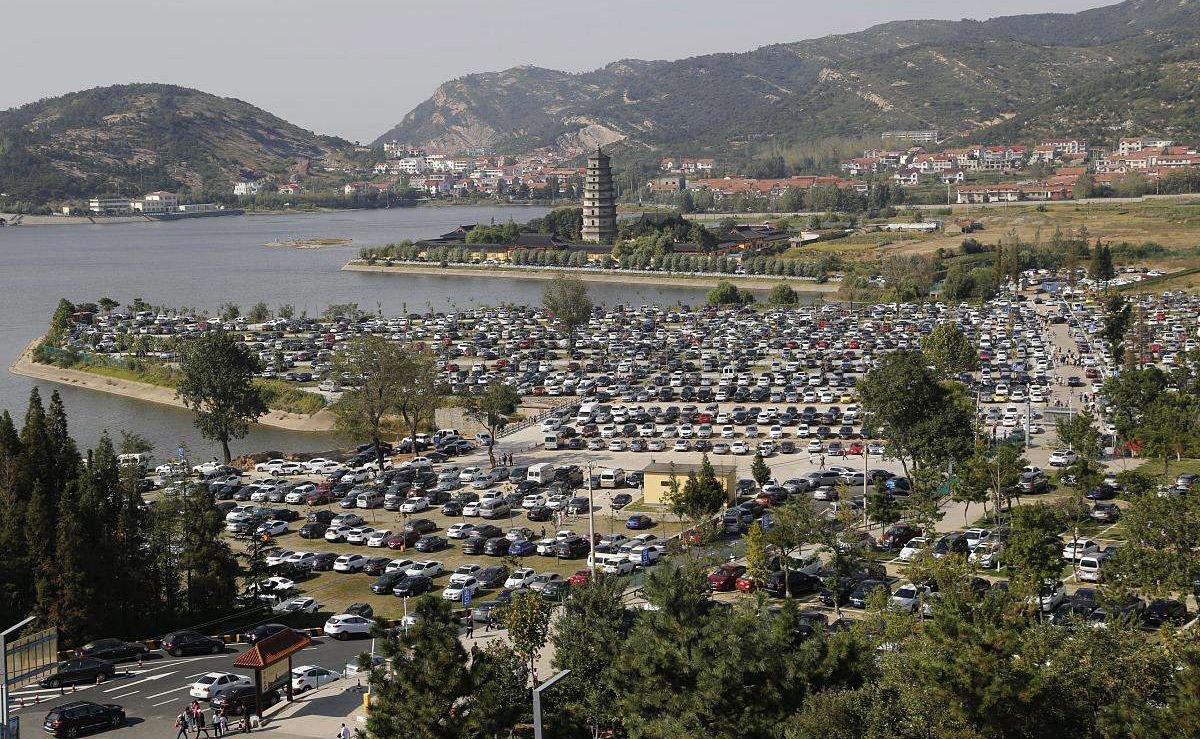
262 632
79 670
179 643
239 699
79 717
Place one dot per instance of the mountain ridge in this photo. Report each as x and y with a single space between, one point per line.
719 101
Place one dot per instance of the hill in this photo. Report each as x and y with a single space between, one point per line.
142 137
958 76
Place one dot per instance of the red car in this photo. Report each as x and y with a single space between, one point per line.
855 449
745 583
318 497
580 577
403 540
725 577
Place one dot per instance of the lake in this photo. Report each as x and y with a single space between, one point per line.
205 262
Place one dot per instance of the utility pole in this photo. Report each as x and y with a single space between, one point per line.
537 702
591 523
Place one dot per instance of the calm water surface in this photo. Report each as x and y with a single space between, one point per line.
208 261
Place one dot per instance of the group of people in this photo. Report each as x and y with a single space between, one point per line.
192 718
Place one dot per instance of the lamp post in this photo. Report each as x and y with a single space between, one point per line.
537 702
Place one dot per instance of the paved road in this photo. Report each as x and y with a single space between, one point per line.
153 693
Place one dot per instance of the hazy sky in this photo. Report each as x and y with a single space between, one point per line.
354 67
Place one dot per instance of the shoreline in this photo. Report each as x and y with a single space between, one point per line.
23 365
749 283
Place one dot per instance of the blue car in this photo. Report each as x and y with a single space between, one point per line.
638 521
522 548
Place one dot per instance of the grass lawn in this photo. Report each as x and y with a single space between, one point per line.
1154 468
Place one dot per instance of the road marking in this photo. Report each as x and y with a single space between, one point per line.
165 692
143 680
122 695
169 700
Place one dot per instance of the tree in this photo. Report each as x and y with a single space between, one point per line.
420 692
107 304
566 300
1129 394
259 313
527 618
759 469
587 639
1168 428
1034 552
949 350
1100 267
420 392
757 564
1161 553
217 384
726 293
499 698
210 568
1117 316
782 295
795 526
493 408
377 370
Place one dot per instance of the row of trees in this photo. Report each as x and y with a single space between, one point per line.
76 534
982 666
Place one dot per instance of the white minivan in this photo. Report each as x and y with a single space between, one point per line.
611 563
1091 566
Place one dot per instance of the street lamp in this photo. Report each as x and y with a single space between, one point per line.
537 702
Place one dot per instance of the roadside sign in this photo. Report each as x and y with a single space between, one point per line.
645 557
466 598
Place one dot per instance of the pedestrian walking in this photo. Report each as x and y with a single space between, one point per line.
343 733
470 626
181 724
201 724
220 723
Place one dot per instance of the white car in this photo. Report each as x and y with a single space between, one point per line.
349 563
215 683
303 560
274 527
471 509
359 535
379 537
270 466
299 605
739 447
469 474
914 545
532 500
205 468
907 596
1076 548
455 590
428 567
398 564
414 505
347 625
1062 458
320 465
465 572
278 584
310 676
460 530
520 578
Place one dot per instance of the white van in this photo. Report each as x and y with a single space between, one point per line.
614 478
584 415
1091 567
442 434
494 508
140 459
552 439
541 473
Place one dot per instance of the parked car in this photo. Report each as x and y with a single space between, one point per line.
79 670
211 685
241 699
348 625
113 650
82 717
181 643
309 677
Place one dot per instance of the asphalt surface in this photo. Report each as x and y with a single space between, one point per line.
153 693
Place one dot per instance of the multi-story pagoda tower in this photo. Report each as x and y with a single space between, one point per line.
599 201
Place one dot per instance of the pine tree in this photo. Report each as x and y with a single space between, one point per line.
75 606
209 564
759 469
16 586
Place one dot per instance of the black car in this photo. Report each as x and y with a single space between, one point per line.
953 543
259 633
387 582
487 530
492 576
323 562
322 516
572 547
1165 611
376 566
313 530
411 585
556 591
241 698
620 500
578 506
80 717
179 643
363 610
484 611
497 546
539 513
285 514
113 650
452 508
79 670
798 583
430 543
474 545
860 595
